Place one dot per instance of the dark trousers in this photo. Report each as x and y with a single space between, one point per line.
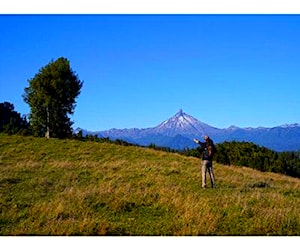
207 167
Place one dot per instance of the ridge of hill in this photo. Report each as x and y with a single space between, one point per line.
69 187
178 131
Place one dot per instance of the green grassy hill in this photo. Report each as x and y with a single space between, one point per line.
68 187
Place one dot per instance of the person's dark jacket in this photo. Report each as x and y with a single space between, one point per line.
207 149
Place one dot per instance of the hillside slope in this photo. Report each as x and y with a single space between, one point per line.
68 187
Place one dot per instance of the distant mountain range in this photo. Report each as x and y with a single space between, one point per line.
178 131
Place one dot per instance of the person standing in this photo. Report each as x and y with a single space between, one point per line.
208 149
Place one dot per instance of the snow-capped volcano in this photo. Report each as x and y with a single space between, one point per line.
178 131
183 124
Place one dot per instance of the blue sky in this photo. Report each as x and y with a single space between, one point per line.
139 70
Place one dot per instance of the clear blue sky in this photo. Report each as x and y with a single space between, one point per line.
139 70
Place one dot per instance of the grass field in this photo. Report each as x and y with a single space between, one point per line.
69 187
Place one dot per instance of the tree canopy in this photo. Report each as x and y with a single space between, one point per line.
51 96
11 121
251 155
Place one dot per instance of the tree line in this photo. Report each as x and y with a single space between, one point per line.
248 154
11 121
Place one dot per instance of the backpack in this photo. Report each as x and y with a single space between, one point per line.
213 148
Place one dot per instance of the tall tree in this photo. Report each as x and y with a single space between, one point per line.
51 96
11 121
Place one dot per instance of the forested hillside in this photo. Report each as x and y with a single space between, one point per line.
251 155
260 158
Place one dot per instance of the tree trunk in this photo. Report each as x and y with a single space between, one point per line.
47 135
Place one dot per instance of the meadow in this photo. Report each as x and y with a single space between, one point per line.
71 187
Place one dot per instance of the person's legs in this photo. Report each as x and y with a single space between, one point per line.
204 169
211 174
